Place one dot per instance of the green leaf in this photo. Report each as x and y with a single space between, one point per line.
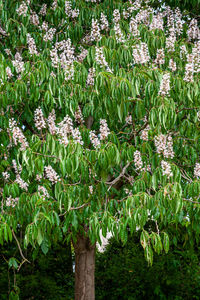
45 245
13 263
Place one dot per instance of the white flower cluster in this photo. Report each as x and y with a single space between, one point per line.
18 63
3 32
183 51
100 59
54 4
128 192
143 16
91 189
157 22
78 116
23 185
43 10
43 192
65 127
193 63
17 135
91 76
144 133
94 139
51 174
77 136
166 169
44 26
170 41
160 57
34 19
38 177
8 52
172 65
39 119
189 72
66 58
6 175
82 55
138 160
141 53
196 56
165 85
11 201
129 119
120 38
16 168
197 170
22 10
31 45
51 122
73 13
95 31
9 72
178 21
104 22
49 35
104 130
116 16
133 27
193 30
164 145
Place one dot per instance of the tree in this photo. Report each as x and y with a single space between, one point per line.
99 125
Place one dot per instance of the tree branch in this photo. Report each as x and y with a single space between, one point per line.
20 250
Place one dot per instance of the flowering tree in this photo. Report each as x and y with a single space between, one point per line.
99 125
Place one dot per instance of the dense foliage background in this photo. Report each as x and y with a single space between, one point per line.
121 273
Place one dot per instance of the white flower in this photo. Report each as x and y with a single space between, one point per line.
94 139
197 170
18 63
165 85
138 160
23 185
39 119
43 10
6 175
8 72
141 53
164 145
22 10
91 76
95 31
11 201
51 174
43 192
51 122
104 130
166 169
144 133
100 59
17 135
31 45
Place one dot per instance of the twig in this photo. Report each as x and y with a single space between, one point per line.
74 208
191 201
111 183
20 250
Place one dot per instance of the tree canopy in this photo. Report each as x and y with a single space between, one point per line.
100 123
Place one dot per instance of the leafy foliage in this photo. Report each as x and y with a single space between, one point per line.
99 122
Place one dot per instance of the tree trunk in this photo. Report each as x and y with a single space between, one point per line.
84 269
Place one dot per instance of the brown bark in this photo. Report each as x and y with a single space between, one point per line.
84 269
